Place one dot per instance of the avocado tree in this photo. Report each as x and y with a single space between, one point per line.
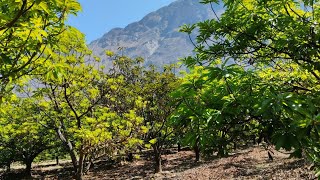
261 32
72 105
151 88
157 87
214 110
23 137
29 33
279 42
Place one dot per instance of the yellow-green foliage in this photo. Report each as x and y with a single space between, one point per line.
30 34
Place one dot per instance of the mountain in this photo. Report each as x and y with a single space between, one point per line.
155 37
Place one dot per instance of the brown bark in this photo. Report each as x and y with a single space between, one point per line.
8 167
69 145
197 152
80 167
28 159
130 157
57 160
28 167
157 159
197 149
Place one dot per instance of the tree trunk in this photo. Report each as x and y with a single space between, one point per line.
73 157
69 145
222 151
80 167
157 159
8 167
28 163
78 176
197 149
129 157
29 157
57 160
90 165
222 146
254 139
179 147
197 152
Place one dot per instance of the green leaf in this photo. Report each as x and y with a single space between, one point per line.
153 141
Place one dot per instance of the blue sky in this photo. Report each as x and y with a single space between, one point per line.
99 16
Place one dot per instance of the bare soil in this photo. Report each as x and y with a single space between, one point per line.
251 163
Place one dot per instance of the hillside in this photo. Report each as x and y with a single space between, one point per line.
156 37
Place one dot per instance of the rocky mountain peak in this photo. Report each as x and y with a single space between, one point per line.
155 37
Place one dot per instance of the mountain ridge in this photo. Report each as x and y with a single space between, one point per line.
155 37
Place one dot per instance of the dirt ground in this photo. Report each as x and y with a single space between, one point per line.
251 163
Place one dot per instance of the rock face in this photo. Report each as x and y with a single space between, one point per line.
155 37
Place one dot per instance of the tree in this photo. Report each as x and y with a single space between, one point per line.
71 100
262 32
23 137
157 87
30 32
151 89
278 40
214 110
